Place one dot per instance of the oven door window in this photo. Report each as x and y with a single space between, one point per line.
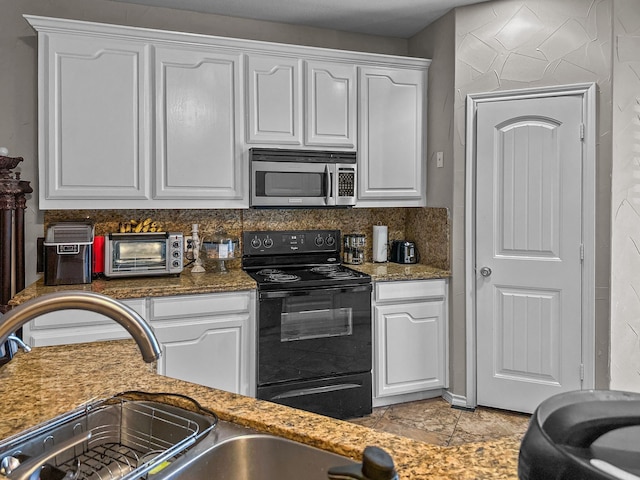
304 318
313 333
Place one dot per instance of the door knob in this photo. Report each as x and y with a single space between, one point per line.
485 272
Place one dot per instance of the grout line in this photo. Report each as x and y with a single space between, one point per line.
380 417
455 427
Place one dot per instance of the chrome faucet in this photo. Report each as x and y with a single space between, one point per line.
93 302
19 342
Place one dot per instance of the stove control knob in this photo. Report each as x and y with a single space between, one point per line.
268 242
331 241
255 242
319 241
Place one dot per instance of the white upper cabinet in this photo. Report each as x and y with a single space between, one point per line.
330 104
130 119
392 146
138 118
293 102
274 102
93 130
198 153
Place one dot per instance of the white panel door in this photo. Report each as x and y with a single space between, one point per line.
528 250
274 100
198 119
94 141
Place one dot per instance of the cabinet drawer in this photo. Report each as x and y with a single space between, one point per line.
78 318
409 290
199 305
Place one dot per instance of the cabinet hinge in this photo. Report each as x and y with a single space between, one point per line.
582 131
581 372
582 252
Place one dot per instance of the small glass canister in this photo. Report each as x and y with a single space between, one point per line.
353 248
220 249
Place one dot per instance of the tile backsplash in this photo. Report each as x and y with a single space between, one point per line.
428 227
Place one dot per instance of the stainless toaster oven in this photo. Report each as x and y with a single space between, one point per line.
143 254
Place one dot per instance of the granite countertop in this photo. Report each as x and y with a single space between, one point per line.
387 271
122 288
212 282
49 381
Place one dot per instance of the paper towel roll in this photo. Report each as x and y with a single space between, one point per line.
380 233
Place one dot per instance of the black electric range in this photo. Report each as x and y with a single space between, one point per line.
314 322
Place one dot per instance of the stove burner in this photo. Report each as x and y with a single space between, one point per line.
269 271
341 274
282 278
325 269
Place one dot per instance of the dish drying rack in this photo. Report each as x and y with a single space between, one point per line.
124 437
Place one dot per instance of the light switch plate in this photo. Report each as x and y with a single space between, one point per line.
439 159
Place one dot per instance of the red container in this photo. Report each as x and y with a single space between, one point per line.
98 255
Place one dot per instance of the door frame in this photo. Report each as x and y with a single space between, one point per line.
587 91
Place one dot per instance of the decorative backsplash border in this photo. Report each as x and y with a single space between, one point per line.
428 227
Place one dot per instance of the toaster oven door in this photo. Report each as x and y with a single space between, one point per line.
145 253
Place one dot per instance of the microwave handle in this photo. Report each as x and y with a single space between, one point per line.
327 183
328 178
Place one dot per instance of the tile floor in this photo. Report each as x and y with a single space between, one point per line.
434 421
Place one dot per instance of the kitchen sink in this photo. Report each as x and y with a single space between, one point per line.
136 435
123 437
241 454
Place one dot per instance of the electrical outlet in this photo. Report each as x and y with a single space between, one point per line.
188 243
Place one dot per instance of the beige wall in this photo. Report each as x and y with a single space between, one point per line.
438 43
625 209
18 67
510 44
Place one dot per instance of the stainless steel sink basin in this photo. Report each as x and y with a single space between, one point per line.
240 454
123 437
135 436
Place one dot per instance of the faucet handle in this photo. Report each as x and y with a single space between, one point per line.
376 465
14 338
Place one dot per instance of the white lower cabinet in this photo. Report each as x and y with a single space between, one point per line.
410 338
207 339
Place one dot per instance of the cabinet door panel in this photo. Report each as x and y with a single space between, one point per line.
93 144
330 104
392 147
274 100
198 119
216 353
207 339
410 342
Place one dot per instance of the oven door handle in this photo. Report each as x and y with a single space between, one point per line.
315 291
310 391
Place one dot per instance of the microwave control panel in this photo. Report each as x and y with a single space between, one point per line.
346 182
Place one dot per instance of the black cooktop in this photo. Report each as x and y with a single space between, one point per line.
297 259
307 276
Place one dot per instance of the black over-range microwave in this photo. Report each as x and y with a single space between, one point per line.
287 178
